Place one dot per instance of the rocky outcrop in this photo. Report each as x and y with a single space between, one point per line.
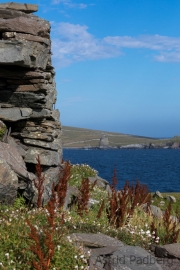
27 98
109 253
104 142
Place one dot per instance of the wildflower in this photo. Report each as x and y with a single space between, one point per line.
82 256
58 247
7 255
75 256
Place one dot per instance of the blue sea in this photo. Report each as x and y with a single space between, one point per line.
159 169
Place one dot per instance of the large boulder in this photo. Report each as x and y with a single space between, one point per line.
13 158
8 183
109 253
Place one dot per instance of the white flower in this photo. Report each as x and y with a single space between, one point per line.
7 255
82 256
58 247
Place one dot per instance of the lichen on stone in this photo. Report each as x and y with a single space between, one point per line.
2 129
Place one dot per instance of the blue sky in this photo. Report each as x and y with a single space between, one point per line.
117 64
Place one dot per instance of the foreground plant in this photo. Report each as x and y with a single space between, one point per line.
83 197
61 187
39 182
122 203
43 246
167 230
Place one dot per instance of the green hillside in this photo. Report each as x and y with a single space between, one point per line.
81 137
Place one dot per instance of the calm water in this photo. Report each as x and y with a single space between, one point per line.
158 168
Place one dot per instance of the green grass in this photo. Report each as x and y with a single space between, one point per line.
175 206
15 241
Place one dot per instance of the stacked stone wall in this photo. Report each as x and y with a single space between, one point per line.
27 88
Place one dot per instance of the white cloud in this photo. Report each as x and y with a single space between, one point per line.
73 43
167 47
69 4
154 42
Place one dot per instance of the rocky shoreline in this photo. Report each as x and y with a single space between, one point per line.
130 146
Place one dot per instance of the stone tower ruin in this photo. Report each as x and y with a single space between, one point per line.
27 102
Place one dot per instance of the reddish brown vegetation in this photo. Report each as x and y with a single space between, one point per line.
84 197
39 182
122 203
44 252
171 233
61 187
101 209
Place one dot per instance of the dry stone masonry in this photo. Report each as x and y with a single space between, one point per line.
27 101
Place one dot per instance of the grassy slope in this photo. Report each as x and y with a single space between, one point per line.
80 137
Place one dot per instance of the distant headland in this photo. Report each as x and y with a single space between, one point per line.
73 137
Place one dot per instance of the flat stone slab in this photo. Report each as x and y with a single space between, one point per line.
170 250
29 24
15 114
135 258
43 144
27 8
96 240
47 157
25 99
26 54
